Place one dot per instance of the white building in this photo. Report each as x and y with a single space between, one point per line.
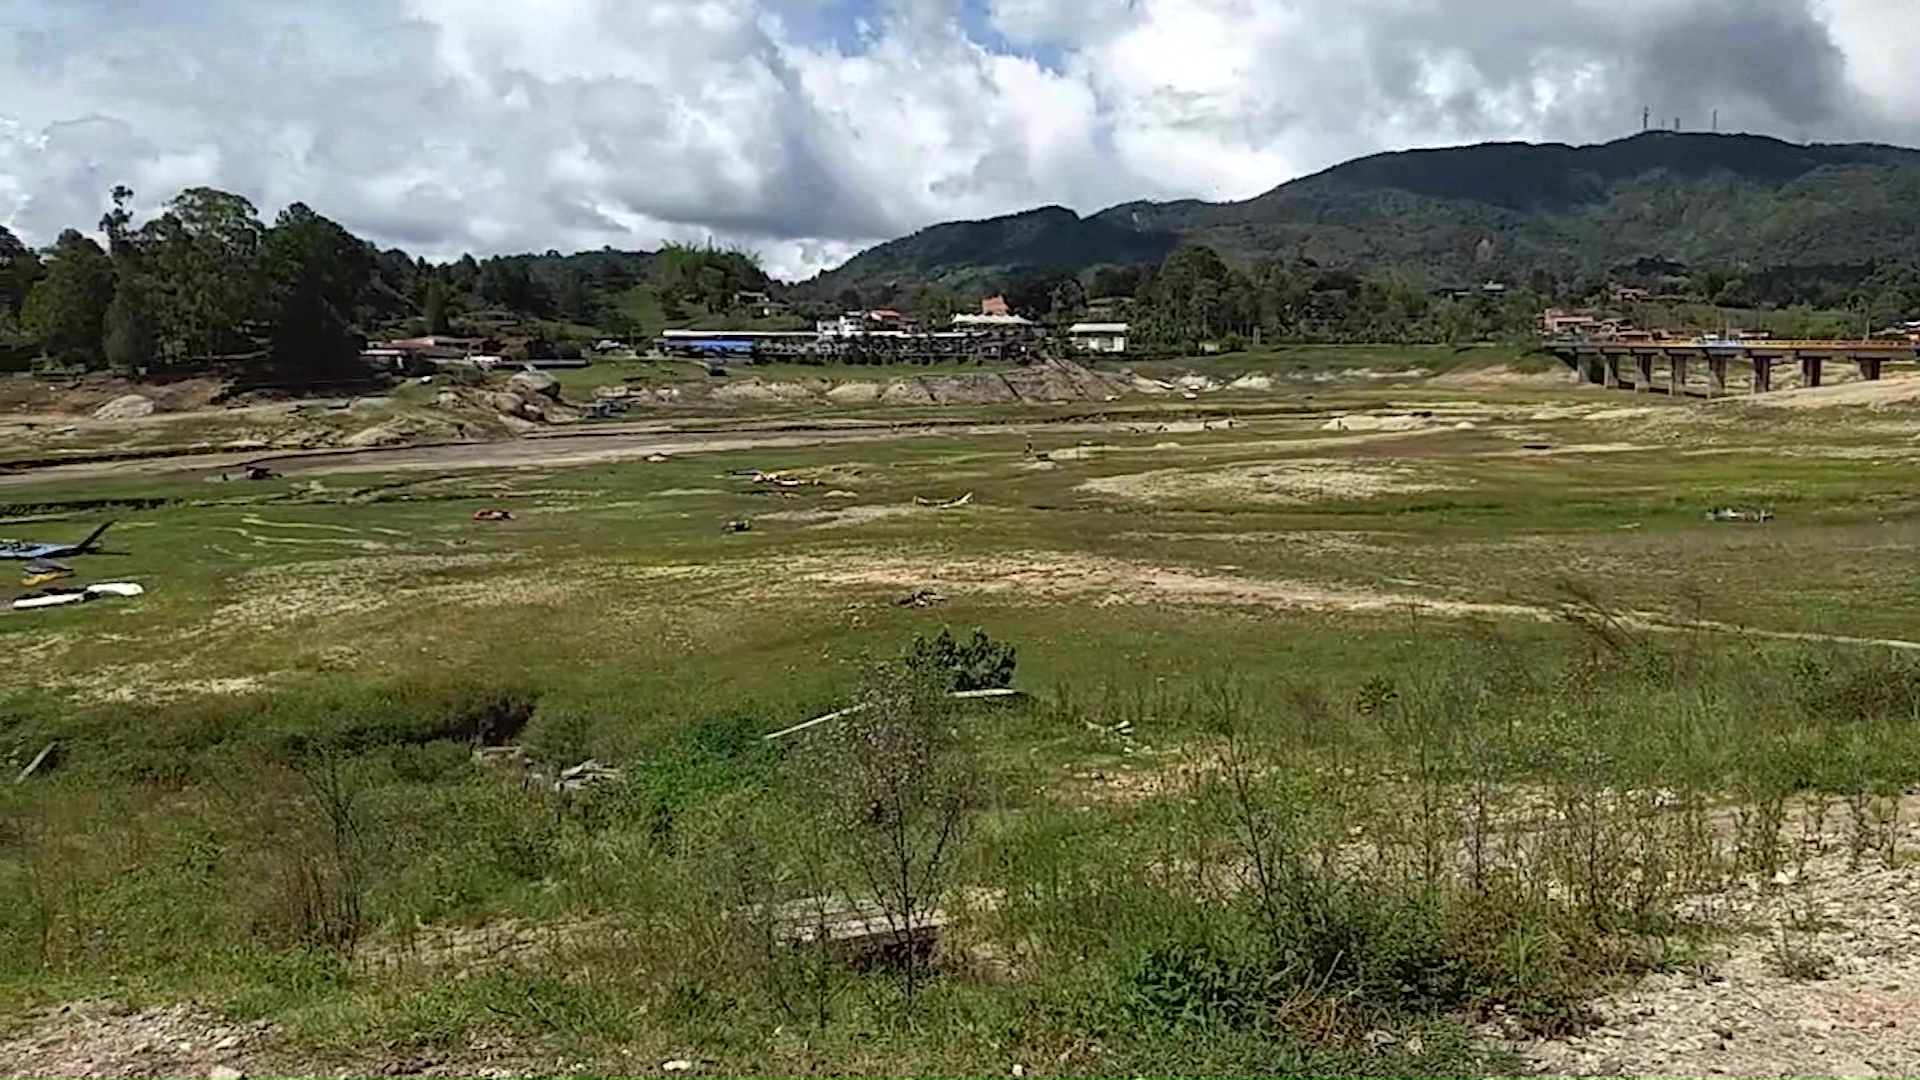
1099 337
990 322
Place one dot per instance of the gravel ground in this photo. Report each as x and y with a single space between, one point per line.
1825 984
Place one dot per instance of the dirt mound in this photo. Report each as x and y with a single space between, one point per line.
855 393
1500 375
1377 423
970 389
125 407
1894 390
1057 381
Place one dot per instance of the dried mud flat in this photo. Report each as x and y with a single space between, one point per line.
1285 482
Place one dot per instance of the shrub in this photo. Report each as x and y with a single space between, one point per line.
978 664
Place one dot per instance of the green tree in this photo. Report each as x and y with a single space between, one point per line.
19 269
575 302
204 254
438 298
316 272
129 335
67 308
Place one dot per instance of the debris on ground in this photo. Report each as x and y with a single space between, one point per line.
777 479
856 932
257 473
583 776
954 504
995 694
1740 516
46 760
60 596
107 1039
42 572
492 515
739 526
925 598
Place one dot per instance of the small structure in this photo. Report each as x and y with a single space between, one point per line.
1092 337
1559 322
991 322
861 934
995 305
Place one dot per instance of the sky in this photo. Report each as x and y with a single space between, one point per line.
806 130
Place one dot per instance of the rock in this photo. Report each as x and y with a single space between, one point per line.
677 1065
508 404
128 407
225 1072
228 1043
530 384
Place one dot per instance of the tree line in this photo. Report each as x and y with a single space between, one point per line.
207 281
1196 295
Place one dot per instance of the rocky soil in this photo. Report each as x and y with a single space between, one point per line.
1825 983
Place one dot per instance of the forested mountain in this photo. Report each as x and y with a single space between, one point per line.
1510 211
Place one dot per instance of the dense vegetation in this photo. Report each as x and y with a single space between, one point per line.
1735 220
206 279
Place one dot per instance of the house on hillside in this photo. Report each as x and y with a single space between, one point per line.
1559 322
995 305
1092 337
760 305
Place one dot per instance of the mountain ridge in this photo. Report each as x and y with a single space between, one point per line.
1456 214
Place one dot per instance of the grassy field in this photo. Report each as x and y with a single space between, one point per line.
1353 722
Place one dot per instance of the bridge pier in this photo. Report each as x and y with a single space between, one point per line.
1762 374
1677 375
1811 370
1869 368
1593 369
1716 376
1643 362
1614 379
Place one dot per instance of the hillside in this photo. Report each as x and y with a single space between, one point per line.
958 254
1466 213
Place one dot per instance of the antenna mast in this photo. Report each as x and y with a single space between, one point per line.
1646 118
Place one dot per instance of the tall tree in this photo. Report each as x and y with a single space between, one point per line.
19 269
435 305
205 255
129 334
315 272
66 309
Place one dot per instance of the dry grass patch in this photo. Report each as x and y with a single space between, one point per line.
1306 480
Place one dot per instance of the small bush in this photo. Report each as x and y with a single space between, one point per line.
980 663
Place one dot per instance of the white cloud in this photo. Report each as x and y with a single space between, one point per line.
445 125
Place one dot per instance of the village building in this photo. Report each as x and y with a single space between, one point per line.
1099 337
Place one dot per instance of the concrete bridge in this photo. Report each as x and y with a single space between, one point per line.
1631 365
